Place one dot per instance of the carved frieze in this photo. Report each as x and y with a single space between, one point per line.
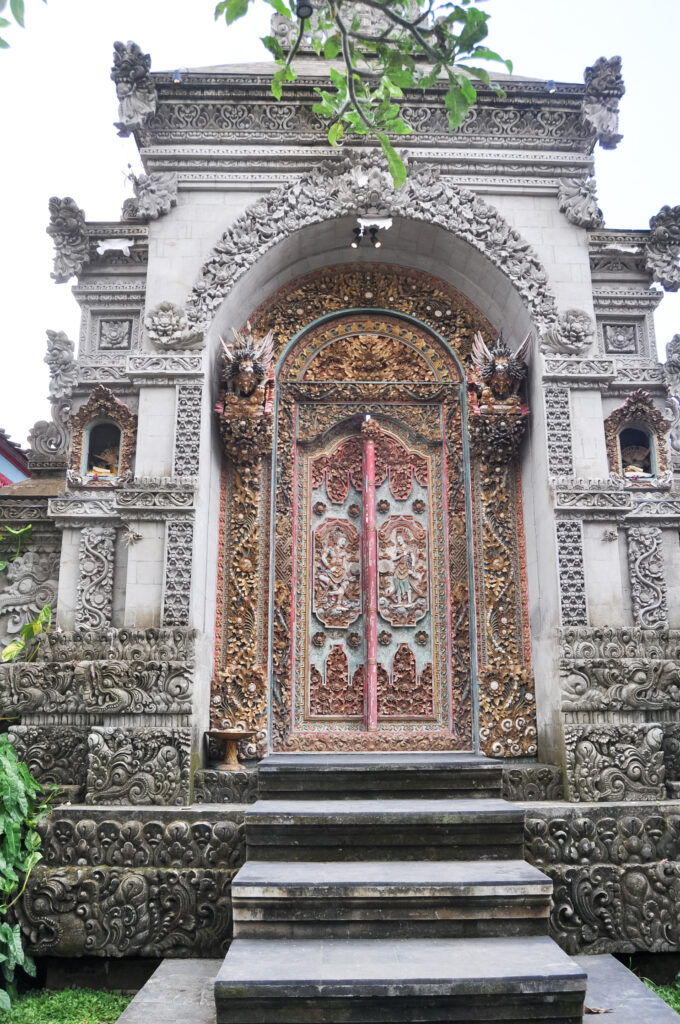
589 642
167 327
119 644
618 683
36 687
134 687
217 787
53 753
155 195
175 912
345 188
532 782
507 710
571 337
604 89
138 766
614 762
647 576
662 259
94 604
137 97
577 200
68 232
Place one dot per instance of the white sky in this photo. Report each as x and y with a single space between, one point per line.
59 105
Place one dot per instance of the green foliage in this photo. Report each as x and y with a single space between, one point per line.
16 9
22 806
71 1006
435 47
669 993
26 644
18 533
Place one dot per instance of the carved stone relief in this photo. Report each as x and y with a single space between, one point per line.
673 365
572 581
155 195
187 430
558 428
49 441
137 97
167 327
532 782
615 762
28 583
577 200
94 605
177 579
663 248
53 753
647 576
620 338
620 683
138 766
604 89
571 337
114 335
68 232
217 787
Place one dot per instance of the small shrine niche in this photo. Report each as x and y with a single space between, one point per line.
103 441
102 450
636 436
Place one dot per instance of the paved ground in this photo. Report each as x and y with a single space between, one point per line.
181 992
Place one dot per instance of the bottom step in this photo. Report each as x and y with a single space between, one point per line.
358 981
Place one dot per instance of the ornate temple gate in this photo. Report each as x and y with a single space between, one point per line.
381 528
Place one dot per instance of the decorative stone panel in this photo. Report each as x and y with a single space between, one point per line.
558 427
618 684
187 430
177 584
138 766
137 687
532 782
217 787
37 687
154 644
615 762
28 583
94 605
647 576
671 751
615 871
572 580
53 753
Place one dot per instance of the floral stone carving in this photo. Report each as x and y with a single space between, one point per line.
245 405
571 337
167 327
647 577
155 195
532 782
138 766
95 581
615 762
619 683
577 199
53 753
673 365
137 97
662 257
29 583
604 89
49 440
68 231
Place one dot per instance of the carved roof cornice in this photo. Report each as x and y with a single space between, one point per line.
618 255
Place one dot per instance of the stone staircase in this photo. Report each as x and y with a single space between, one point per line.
390 887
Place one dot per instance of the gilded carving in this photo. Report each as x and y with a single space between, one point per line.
102 404
336 569
245 405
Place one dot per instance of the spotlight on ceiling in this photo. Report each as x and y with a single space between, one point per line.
373 233
550 87
356 241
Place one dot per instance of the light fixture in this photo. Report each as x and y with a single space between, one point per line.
356 241
304 9
178 75
550 86
373 233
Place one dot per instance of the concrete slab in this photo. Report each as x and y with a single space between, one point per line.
468 809
614 988
178 992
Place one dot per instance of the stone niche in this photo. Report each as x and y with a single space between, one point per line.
104 435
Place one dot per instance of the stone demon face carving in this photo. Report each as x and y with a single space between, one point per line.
246 366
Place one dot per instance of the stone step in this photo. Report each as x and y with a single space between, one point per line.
373 899
383 775
357 981
459 829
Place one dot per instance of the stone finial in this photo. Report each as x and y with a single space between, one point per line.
571 337
137 97
600 110
662 257
577 200
49 439
71 242
167 327
155 195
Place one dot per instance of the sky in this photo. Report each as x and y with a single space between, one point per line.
58 107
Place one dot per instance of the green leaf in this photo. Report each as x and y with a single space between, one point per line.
336 132
331 47
427 81
3 565
274 46
45 618
5 1001
234 10
280 8
13 650
17 9
395 164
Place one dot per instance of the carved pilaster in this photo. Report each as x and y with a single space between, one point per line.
187 430
94 605
179 544
572 580
558 428
647 578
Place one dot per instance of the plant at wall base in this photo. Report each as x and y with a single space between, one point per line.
23 803
27 643
12 534
396 45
